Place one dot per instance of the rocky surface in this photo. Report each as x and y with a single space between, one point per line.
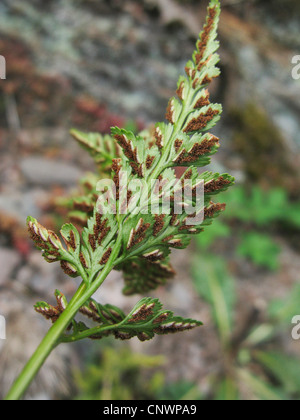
92 65
9 260
128 56
46 172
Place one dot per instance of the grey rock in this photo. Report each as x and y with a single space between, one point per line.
24 331
8 262
45 276
46 172
22 204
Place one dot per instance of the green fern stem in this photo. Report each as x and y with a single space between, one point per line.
55 335
109 243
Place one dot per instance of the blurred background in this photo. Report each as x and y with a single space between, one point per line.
94 64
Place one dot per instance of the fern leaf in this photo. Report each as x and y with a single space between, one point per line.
142 210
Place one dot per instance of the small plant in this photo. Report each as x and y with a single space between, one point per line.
137 241
261 249
181 390
263 208
119 374
254 362
255 216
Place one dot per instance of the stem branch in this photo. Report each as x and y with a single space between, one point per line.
54 335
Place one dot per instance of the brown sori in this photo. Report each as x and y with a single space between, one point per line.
158 137
177 145
210 211
170 112
216 185
203 101
202 43
143 313
84 207
149 161
106 256
179 91
158 224
199 123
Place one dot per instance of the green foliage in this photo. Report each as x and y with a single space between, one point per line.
101 148
282 311
285 369
259 388
216 286
218 230
182 390
80 205
262 208
250 363
145 320
254 217
260 249
119 374
226 390
139 240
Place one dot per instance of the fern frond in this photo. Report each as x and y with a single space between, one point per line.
141 212
145 320
101 148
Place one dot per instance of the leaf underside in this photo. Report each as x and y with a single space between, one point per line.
147 236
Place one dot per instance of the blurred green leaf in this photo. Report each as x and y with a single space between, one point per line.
131 126
214 284
260 388
283 310
260 334
103 149
261 207
182 390
284 368
119 374
260 249
227 390
293 215
216 231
